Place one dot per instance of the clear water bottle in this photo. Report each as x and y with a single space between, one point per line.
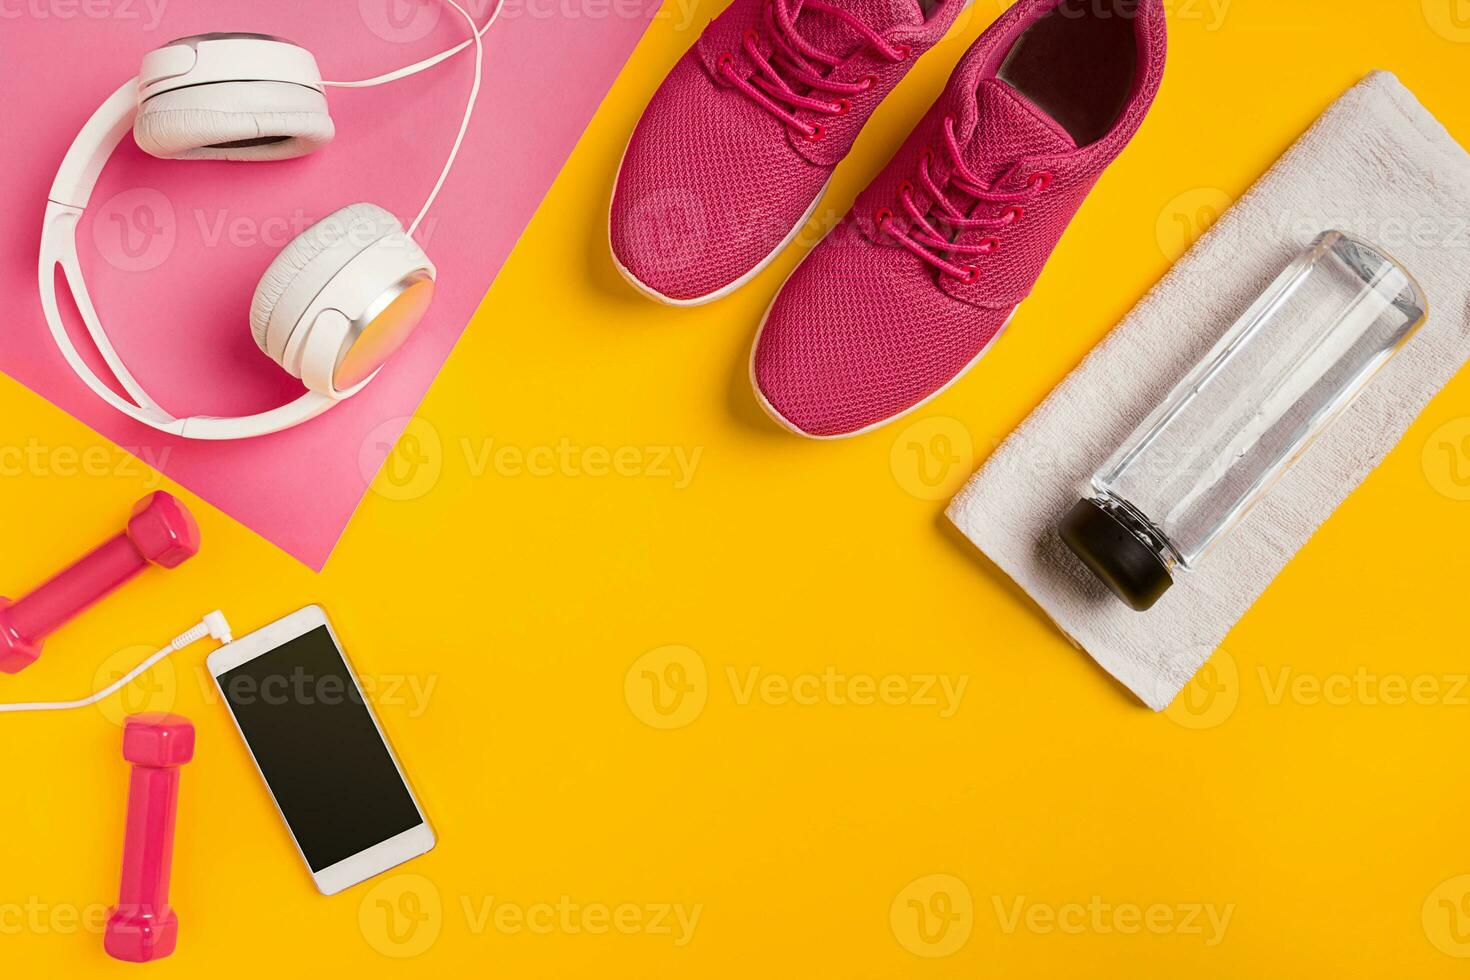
1215 446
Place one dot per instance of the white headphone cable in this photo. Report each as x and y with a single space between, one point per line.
214 624
418 66
476 38
469 109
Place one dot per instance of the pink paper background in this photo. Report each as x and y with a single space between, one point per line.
173 250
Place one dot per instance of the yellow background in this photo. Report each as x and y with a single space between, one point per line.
1329 826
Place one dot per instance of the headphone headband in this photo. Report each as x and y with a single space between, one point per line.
59 248
175 66
94 146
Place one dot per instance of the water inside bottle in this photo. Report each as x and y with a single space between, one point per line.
1254 404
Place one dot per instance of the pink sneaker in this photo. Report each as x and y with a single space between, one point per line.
736 146
924 272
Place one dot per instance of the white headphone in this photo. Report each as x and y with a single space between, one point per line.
337 301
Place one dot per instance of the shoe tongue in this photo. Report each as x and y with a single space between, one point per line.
834 36
1008 127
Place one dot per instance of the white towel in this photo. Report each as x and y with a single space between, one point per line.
1377 165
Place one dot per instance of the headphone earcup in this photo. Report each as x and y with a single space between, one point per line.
240 120
356 269
308 262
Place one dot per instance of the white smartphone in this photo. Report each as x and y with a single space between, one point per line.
320 750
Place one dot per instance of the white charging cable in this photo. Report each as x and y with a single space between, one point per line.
214 624
476 38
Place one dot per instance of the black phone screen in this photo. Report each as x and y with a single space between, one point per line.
316 744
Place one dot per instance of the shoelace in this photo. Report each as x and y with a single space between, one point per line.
932 245
794 59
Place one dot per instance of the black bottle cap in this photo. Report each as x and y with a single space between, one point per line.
1132 569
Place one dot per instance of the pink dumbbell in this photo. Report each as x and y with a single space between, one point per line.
142 927
161 531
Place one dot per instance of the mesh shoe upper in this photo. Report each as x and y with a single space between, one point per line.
715 178
900 298
708 187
